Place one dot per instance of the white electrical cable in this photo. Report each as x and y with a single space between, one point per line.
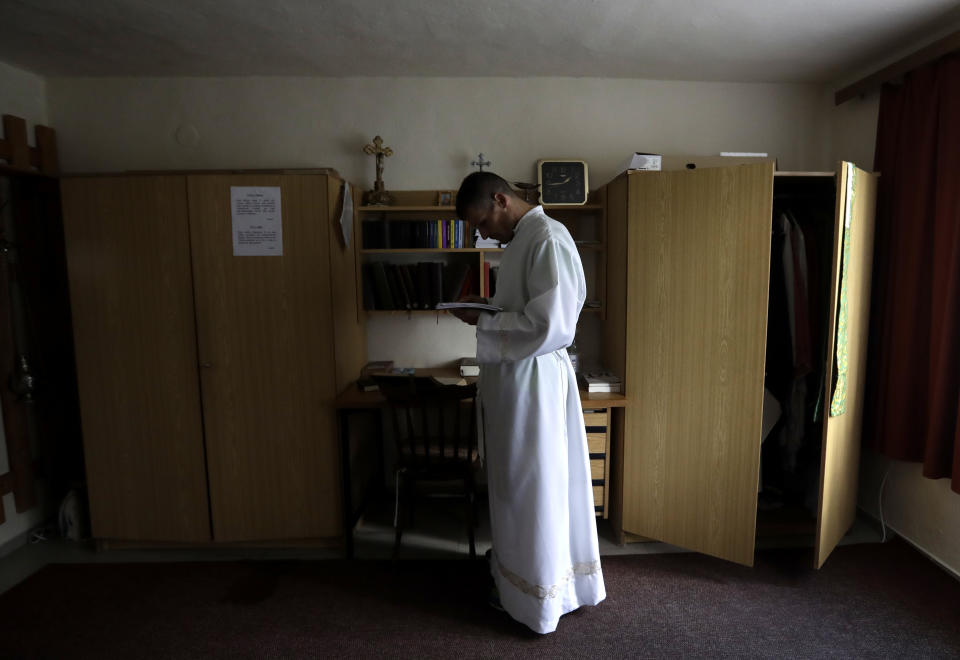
883 527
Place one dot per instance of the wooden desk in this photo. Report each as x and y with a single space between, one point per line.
352 400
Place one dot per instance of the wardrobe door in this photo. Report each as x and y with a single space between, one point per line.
266 348
128 256
698 263
847 354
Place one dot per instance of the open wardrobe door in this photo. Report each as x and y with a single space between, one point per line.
846 356
699 247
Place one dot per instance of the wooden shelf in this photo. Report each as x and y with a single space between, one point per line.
390 312
436 250
407 209
814 174
564 207
421 206
585 310
418 208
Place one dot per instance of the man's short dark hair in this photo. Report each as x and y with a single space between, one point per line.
477 191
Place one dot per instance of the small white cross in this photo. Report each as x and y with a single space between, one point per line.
480 162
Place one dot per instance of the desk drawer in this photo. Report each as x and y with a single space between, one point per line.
596 421
596 469
598 500
597 443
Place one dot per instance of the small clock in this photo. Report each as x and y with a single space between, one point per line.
562 181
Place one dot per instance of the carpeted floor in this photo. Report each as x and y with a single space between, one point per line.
869 601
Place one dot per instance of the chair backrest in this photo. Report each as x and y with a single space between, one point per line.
434 425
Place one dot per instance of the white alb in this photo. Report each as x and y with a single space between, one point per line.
546 561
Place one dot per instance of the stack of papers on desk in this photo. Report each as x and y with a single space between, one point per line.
450 380
600 381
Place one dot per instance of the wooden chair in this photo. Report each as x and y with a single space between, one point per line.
434 428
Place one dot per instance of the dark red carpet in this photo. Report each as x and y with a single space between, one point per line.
869 601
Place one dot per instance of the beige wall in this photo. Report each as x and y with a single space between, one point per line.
850 129
435 127
923 511
22 94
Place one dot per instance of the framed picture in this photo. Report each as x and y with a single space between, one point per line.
445 197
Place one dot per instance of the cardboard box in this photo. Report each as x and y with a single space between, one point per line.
640 161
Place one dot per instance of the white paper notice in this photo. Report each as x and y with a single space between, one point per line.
257 223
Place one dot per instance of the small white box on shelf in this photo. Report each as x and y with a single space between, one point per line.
641 161
469 367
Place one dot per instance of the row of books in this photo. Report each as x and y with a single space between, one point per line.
413 234
389 286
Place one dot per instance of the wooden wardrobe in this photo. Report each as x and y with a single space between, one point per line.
207 380
688 283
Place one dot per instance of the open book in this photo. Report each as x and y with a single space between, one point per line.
469 305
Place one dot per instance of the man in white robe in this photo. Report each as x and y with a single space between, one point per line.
545 560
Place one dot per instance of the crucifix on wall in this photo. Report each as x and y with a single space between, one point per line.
480 162
378 195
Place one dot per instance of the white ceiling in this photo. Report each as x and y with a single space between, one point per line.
730 40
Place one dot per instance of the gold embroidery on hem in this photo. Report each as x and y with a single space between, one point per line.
542 592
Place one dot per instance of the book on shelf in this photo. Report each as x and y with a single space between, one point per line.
455 279
471 285
599 381
383 295
369 297
408 284
401 296
423 284
374 234
469 367
436 282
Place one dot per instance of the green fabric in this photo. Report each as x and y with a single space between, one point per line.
838 405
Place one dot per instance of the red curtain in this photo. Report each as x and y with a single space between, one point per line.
913 384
